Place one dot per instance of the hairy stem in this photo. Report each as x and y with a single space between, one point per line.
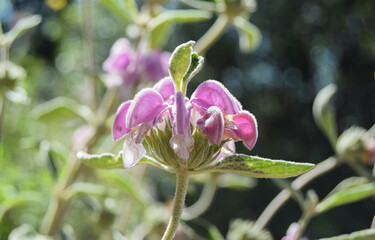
179 200
320 169
212 34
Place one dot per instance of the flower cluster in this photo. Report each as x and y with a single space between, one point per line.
126 66
211 110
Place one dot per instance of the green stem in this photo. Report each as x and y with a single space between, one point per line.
212 34
320 169
88 48
2 107
179 200
203 203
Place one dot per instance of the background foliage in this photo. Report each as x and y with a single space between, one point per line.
305 46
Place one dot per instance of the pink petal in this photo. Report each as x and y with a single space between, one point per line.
182 145
132 152
213 93
212 125
145 107
247 128
119 57
118 129
180 113
165 87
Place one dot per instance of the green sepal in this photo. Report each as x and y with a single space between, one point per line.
324 114
367 234
249 35
109 160
161 25
21 26
179 63
62 108
258 167
345 196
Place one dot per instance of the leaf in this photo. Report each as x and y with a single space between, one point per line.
180 62
349 183
178 16
62 108
109 160
26 232
86 188
367 234
201 230
324 114
250 35
102 161
131 6
345 196
258 167
115 7
21 26
20 199
161 25
195 66
126 184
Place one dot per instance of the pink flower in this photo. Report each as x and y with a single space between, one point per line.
125 66
293 233
211 109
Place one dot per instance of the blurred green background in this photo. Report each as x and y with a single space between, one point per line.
305 46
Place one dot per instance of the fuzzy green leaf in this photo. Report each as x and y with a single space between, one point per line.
324 114
345 196
250 35
258 167
103 161
367 234
109 160
195 66
179 63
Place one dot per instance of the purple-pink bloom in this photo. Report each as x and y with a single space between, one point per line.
211 109
125 66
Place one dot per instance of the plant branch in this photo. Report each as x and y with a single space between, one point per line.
203 203
179 200
320 169
212 34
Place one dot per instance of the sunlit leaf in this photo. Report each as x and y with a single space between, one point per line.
109 160
27 232
195 65
126 184
324 114
115 7
250 35
258 167
349 183
18 200
21 26
367 234
62 108
162 24
345 196
86 188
